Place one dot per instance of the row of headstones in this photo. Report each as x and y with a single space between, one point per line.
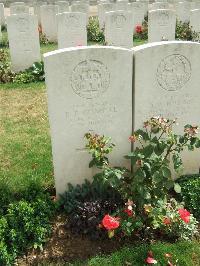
70 31
139 10
110 91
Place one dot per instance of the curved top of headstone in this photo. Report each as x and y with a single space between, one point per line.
60 51
167 43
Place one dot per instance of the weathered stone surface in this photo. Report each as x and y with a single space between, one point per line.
63 6
48 20
102 9
161 25
72 29
195 19
23 41
166 83
88 91
119 29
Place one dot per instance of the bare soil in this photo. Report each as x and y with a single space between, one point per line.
64 247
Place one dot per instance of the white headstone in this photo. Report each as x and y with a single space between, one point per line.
80 7
36 7
72 29
159 5
88 91
166 83
121 5
23 41
102 9
119 29
48 20
2 16
195 5
161 25
63 6
138 13
19 8
195 20
183 11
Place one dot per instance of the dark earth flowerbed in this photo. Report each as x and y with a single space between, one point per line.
64 246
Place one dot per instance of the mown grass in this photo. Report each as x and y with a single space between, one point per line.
183 254
25 147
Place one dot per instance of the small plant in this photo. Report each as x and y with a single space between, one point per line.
6 74
33 74
43 39
87 192
190 193
94 33
99 147
172 220
37 71
141 31
151 178
185 32
24 225
24 77
88 215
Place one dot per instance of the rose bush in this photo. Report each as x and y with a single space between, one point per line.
157 149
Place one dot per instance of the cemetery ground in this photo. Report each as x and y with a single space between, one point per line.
26 159
27 191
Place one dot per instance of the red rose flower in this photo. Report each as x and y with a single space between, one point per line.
166 221
150 260
110 223
184 215
129 212
138 28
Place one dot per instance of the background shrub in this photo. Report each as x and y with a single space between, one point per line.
24 221
94 33
190 193
185 32
6 74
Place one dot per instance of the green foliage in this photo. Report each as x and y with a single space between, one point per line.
24 225
24 77
6 74
98 147
4 40
185 32
190 193
43 39
165 217
77 195
151 178
94 33
32 74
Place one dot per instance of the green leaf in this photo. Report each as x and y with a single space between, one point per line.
140 175
157 177
177 188
142 133
169 184
166 172
197 144
148 150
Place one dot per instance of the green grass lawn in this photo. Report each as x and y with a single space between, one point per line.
25 149
183 254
